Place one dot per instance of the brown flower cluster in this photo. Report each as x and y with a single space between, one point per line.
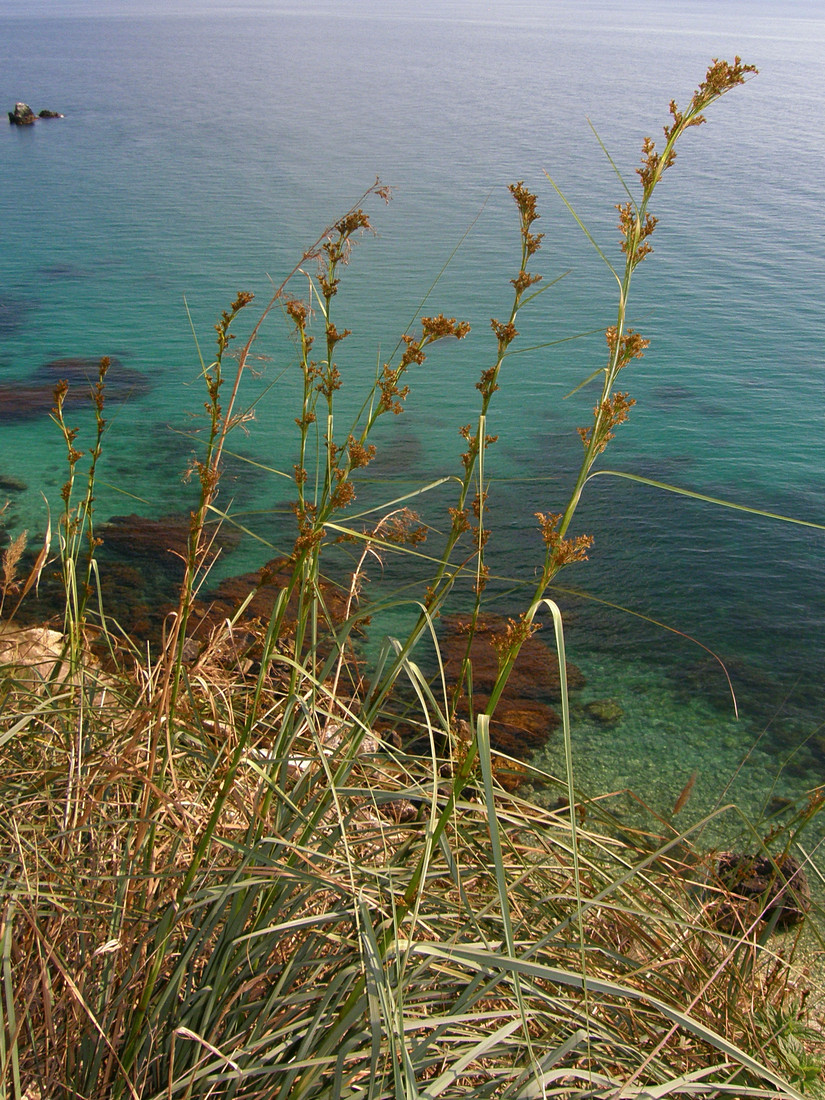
329 287
228 316
471 438
512 638
460 520
330 381
98 390
336 250
654 164
299 312
479 500
682 121
351 223
720 78
359 455
432 329
60 391
487 384
402 528
634 233
531 242
505 333
343 492
392 395
308 535
334 336
631 345
526 202
608 415
561 551
524 280
436 328
413 352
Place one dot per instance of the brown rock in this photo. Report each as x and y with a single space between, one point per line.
264 586
758 890
23 115
536 672
606 711
519 726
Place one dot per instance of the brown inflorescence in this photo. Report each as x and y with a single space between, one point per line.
523 718
631 345
635 233
505 333
526 202
609 414
402 528
436 328
562 551
720 78
359 455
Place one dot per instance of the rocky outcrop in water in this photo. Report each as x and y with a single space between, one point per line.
23 115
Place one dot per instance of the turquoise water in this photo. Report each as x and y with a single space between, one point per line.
204 145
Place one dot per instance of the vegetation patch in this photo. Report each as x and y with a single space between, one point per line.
255 859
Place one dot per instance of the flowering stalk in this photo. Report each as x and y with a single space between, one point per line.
77 520
636 224
479 441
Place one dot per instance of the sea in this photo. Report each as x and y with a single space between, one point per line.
205 145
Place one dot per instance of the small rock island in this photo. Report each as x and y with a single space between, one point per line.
23 115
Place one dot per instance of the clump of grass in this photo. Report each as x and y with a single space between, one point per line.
220 879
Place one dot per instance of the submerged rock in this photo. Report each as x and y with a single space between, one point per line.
158 545
534 676
606 711
12 484
15 313
140 564
519 726
523 718
83 371
257 593
36 396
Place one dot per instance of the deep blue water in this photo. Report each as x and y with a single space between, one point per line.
205 144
